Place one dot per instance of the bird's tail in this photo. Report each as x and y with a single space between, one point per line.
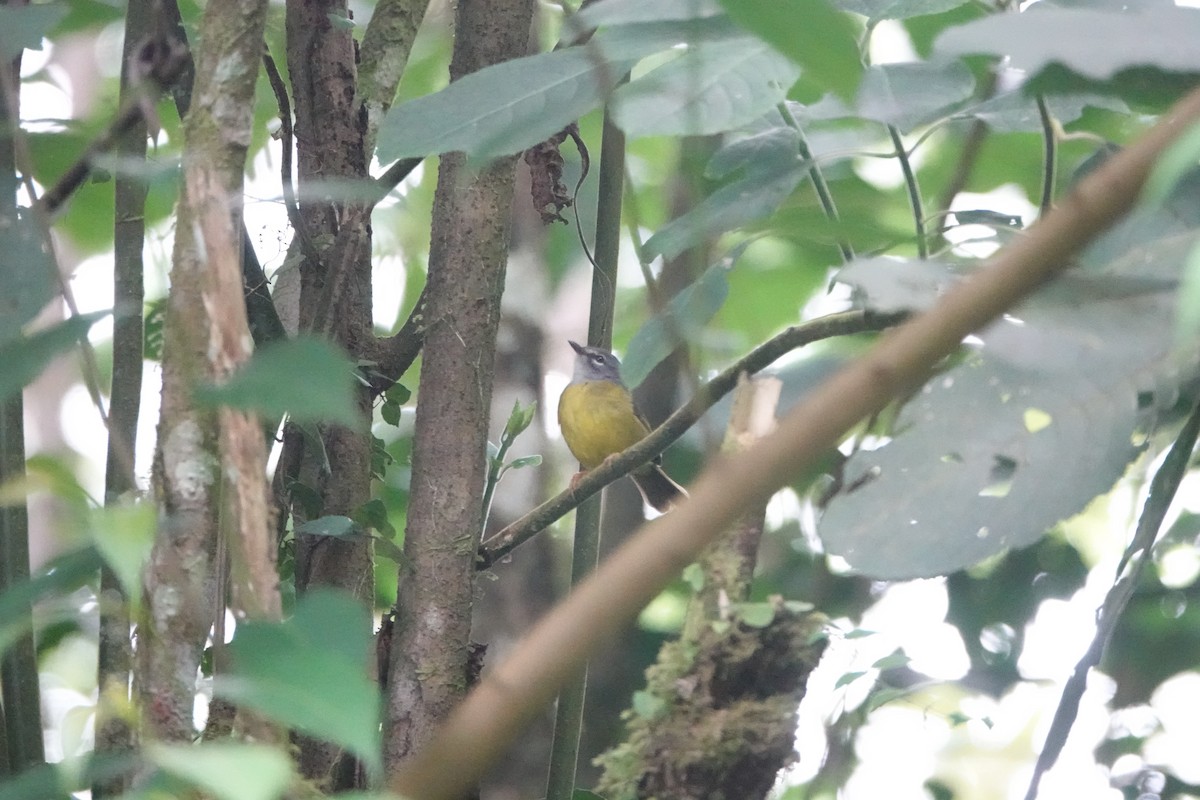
657 488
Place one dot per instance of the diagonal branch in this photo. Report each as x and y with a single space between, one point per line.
537 520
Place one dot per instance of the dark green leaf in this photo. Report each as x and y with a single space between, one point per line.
584 794
398 393
712 87
25 357
22 27
812 33
374 514
683 317
390 412
311 673
305 377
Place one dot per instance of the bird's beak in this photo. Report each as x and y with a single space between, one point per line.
577 346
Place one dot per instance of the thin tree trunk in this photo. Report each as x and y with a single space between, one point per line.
427 672
202 341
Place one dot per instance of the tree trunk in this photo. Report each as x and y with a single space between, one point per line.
427 673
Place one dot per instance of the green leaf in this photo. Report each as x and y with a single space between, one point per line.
911 95
685 315
712 87
1157 36
525 461
332 525
1039 418
893 661
623 12
847 678
519 419
812 33
306 377
25 357
502 109
884 695
1016 111
226 771
756 615
584 794
374 514
398 393
390 412
23 27
876 10
770 169
311 673
1187 326
124 535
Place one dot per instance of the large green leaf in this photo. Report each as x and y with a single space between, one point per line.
25 357
26 273
310 673
305 377
1093 43
1038 420
712 87
910 95
507 107
812 33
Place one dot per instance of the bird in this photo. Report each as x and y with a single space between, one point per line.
599 419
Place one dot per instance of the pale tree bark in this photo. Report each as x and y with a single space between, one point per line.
428 671
205 338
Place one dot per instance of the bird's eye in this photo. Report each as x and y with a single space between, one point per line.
598 360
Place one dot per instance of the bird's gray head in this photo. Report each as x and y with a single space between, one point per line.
594 364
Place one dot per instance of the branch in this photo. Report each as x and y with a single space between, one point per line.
509 696
383 54
677 424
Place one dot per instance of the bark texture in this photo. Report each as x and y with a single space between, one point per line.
427 673
205 337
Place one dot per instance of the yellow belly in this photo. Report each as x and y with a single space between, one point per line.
598 420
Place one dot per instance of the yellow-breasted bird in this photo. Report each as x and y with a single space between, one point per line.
599 419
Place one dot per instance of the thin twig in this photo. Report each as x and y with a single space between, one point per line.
1133 563
824 196
1050 163
914 191
287 144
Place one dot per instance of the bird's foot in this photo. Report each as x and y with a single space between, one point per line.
576 478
